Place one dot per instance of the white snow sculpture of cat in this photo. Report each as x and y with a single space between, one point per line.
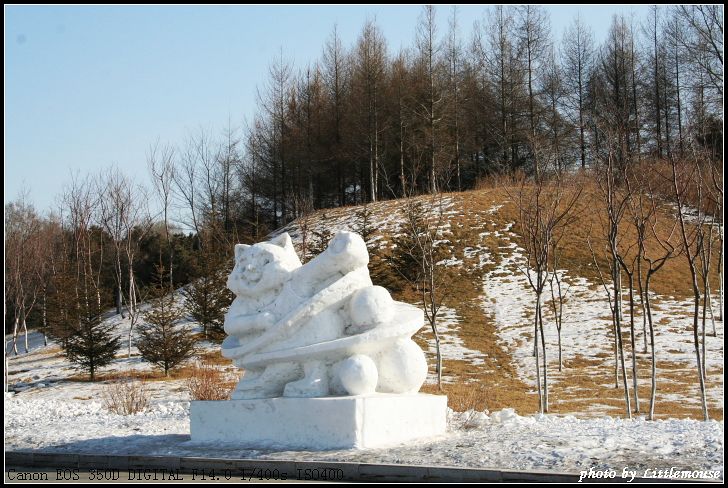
318 329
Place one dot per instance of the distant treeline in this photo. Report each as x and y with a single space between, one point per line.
365 123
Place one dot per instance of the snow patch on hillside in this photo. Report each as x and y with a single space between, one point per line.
452 346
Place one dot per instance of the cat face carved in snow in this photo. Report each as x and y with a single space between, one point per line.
263 266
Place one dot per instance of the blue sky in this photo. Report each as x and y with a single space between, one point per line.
86 87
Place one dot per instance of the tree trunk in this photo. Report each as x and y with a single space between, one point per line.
710 310
701 378
668 143
582 143
679 103
642 292
45 319
558 331
25 334
634 348
376 149
653 389
702 327
371 173
720 274
557 311
545 369
535 349
7 365
15 336
119 310
132 308
438 366
658 115
531 113
618 325
634 103
616 351
401 153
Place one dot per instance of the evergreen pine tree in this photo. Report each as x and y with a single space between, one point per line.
406 258
62 311
321 236
161 341
93 345
364 225
207 298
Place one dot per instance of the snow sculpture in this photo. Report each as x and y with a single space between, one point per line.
329 359
319 329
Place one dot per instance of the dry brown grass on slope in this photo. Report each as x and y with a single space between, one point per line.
183 372
180 373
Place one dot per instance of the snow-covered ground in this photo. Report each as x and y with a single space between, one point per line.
382 216
502 440
45 373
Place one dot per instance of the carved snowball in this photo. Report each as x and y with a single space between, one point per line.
371 306
358 374
402 368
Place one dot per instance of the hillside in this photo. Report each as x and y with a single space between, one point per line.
485 323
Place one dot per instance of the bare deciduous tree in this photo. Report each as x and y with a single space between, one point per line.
369 69
125 216
616 197
545 209
23 257
704 39
688 177
455 68
161 166
643 210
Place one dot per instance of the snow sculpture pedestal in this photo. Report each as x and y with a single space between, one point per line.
362 421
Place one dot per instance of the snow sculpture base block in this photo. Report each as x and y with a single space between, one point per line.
361 422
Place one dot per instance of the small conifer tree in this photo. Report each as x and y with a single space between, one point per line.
93 345
161 341
207 298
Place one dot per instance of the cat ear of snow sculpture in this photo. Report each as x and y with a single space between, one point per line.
284 241
282 248
239 249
